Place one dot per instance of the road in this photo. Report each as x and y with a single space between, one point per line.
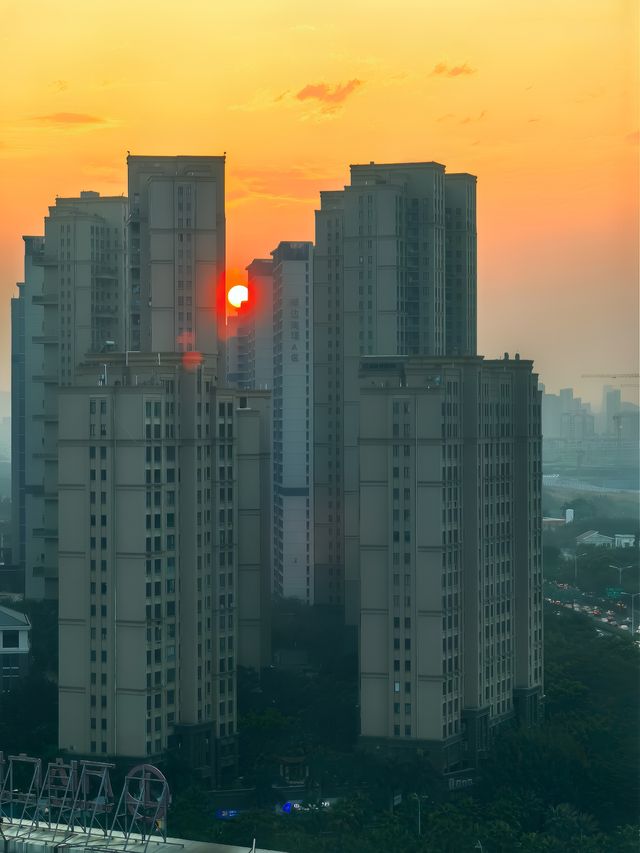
606 614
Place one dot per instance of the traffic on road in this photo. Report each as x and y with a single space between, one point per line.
611 614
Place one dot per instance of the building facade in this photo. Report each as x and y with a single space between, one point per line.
249 331
14 648
293 421
450 550
177 254
160 562
394 274
74 302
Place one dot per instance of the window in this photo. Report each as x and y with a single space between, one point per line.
10 639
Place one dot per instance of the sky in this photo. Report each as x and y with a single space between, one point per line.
538 98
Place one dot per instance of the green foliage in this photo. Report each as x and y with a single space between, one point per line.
569 786
594 572
29 717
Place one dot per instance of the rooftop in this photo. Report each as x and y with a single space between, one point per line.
13 618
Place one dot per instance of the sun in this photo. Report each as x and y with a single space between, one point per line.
238 294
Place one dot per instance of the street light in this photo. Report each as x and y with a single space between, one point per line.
576 557
632 595
620 570
418 798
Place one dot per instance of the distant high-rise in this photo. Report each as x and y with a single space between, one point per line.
250 331
177 254
394 274
260 287
450 553
293 421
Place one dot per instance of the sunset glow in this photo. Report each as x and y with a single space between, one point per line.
538 100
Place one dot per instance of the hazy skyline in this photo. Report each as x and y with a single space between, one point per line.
539 101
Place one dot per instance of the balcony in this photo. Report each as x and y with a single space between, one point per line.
46 532
102 271
45 299
45 571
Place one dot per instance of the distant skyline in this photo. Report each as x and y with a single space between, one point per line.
539 101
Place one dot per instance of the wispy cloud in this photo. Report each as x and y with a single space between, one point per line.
69 119
444 70
451 117
331 97
297 184
470 119
261 100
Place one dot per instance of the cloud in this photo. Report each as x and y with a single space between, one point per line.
331 97
297 184
69 119
444 70
261 100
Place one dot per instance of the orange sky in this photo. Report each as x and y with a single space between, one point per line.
537 98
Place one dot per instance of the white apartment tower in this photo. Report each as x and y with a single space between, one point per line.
450 553
293 421
394 274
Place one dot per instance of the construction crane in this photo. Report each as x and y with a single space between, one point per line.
611 375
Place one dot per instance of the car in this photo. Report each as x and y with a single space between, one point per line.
624 627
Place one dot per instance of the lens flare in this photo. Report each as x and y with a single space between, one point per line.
237 295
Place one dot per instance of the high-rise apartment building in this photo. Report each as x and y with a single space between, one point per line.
156 549
293 421
27 423
74 302
260 331
177 254
249 341
450 552
394 274
164 477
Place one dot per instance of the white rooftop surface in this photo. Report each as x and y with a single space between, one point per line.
21 840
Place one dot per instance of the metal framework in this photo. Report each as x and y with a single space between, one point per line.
75 800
